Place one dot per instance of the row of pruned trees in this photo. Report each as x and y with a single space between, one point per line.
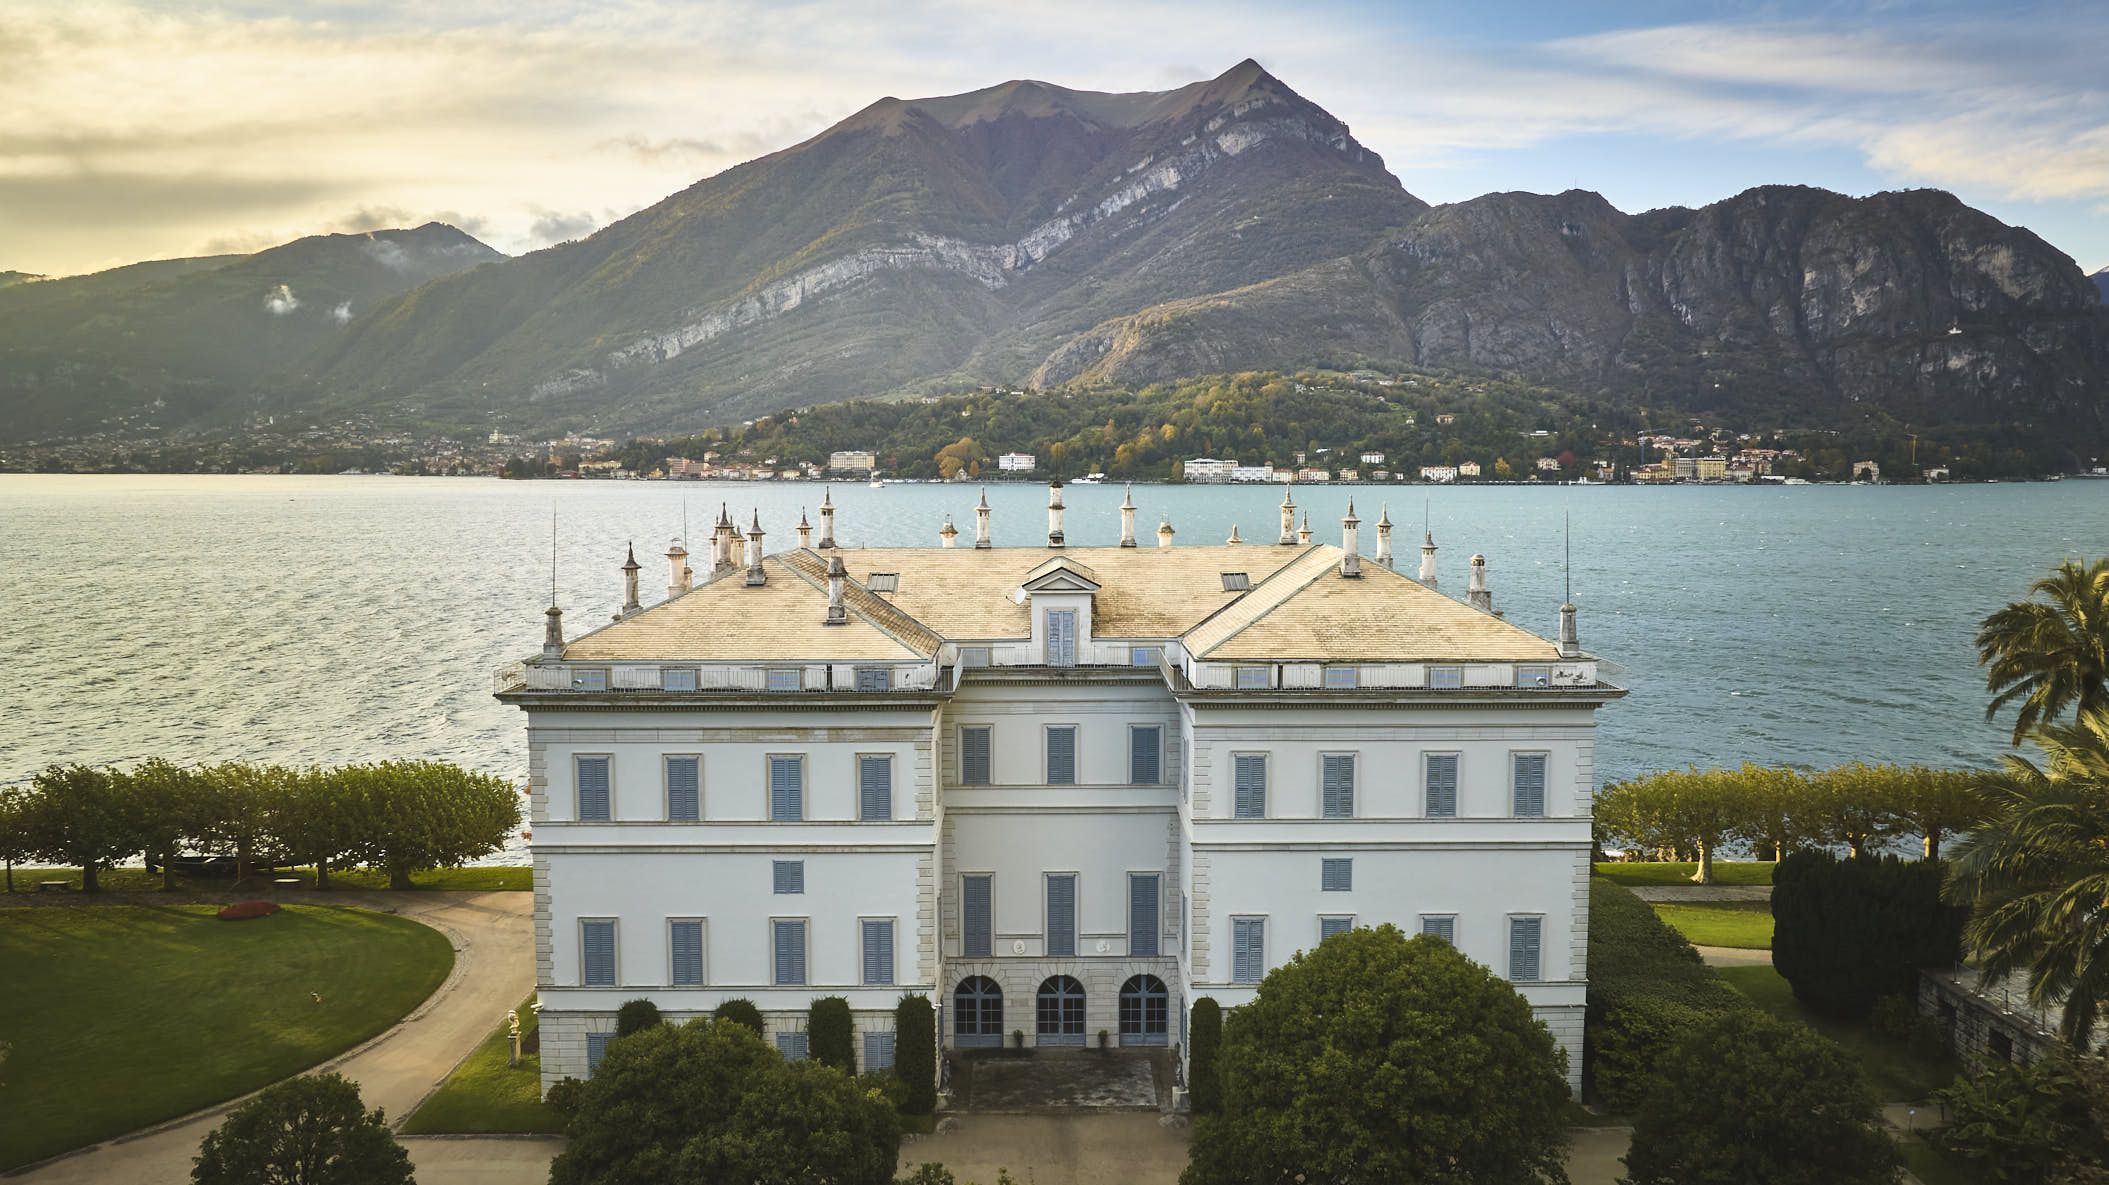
397 816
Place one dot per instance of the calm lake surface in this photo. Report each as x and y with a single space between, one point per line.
337 619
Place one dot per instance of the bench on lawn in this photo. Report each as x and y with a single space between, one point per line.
54 886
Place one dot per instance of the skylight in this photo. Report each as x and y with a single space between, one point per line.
883 582
1236 581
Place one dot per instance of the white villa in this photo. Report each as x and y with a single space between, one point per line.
1063 791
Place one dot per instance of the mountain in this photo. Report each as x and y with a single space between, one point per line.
10 279
200 335
2101 283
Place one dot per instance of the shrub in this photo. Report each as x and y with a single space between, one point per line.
1647 987
741 1011
244 910
1848 932
636 1016
915 1053
832 1033
1744 1097
2020 1125
311 1130
1205 1035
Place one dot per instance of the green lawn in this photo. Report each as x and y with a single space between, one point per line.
124 1015
484 1094
1899 1073
497 878
1726 872
1744 924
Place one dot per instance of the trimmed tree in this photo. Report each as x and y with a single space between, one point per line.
832 1034
1744 1097
79 815
915 1053
635 1016
701 1104
741 1011
1205 1036
431 814
1855 805
1377 1057
1848 932
169 800
311 1130
236 804
1686 812
315 817
14 830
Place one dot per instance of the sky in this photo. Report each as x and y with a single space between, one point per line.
145 130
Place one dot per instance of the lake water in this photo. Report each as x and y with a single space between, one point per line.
338 619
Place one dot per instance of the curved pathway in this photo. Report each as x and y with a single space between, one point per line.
493 942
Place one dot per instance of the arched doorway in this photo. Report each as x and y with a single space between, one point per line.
1145 1011
977 1014
1060 1012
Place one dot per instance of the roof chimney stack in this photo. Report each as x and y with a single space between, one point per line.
1476 587
755 575
679 576
981 522
1164 533
1288 538
805 530
827 517
1350 543
836 613
553 632
1127 517
724 541
948 534
1054 513
1303 533
1428 558
1384 535
630 568
1570 641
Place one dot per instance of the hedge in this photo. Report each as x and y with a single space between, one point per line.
915 1053
832 1034
1206 1037
741 1011
1646 987
1848 932
635 1016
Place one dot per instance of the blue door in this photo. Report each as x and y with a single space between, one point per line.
977 1014
1145 1012
1060 1012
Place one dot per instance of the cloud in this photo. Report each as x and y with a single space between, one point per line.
280 301
342 313
551 227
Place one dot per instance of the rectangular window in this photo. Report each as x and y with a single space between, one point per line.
592 775
684 789
878 1052
787 876
597 952
1237 581
1145 914
677 678
1061 754
1327 927
788 937
793 1046
878 951
1144 656
1336 874
1523 949
875 788
786 679
874 678
1061 914
787 787
1446 678
1440 925
976 656
590 679
1343 678
1534 676
1248 950
1530 785
977 937
1145 754
1339 786
596 1049
974 755
685 953
1061 637
1251 785
1441 770
1253 678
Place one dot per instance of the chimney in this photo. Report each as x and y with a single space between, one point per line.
1164 534
805 530
1570 642
1384 536
1127 517
1476 587
1303 533
836 614
1288 538
948 534
981 522
630 568
553 633
1350 543
678 574
1428 558
827 518
1054 513
724 541
1233 535
755 575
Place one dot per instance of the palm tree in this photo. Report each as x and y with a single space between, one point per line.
2052 656
2036 874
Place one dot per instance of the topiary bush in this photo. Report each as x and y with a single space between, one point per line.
741 1011
832 1034
915 1053
635 1016
1848 932
1204 1038
1647 987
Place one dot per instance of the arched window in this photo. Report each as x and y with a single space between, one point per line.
977 1014
1145 1011
1060 1012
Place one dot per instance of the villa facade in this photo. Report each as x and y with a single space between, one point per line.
1064 792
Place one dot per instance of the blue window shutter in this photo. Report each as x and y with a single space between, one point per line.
593 788
686 939
1251 787
684 788
878 951
1061 914
790 953
597 942
1145 916
875 788
1443 926
1145 755
1523 949
793 1046
1061 755
1336 875
979 939
878 1051
974 756
1248 949
1530 785
874 678
786 789
787 876
1442 785
1339 786
1327 927
1061 637
596 1049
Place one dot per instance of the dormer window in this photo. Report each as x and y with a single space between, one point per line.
1061 637
883 582
1236 581
1343 678
677 678
1253 678
1446 678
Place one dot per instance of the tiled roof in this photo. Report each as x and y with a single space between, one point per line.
1379 616
726 621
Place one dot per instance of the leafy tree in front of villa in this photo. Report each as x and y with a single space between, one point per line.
2050 655
2046 1123
312 1130
80 815
431 814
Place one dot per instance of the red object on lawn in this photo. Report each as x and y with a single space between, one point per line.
242 910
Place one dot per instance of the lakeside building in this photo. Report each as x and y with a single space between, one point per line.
1017 463
1060 790
1250 473
852 461
1439 473
1468 469
1208 469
